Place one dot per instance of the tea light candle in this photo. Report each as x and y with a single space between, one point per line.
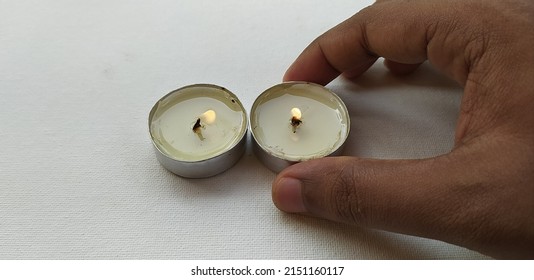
297 121
199 130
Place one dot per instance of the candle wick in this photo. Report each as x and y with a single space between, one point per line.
295 122
196 128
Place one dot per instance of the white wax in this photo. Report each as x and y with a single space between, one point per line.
324 127
173 119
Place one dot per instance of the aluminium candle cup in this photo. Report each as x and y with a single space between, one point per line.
217 147
324 129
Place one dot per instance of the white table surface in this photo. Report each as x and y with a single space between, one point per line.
78 176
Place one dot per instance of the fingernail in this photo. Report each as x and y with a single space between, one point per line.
287 195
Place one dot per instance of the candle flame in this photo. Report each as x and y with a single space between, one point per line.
208 117
296 114
295 119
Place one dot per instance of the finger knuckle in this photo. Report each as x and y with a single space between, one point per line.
346 197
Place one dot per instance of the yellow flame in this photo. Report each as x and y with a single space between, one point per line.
295 113
208 117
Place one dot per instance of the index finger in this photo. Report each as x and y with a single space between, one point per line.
396 30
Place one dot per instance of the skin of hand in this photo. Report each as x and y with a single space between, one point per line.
481 194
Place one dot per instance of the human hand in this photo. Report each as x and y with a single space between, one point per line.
481 194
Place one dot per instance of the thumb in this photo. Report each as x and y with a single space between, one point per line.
416 197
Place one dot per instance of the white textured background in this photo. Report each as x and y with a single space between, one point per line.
78 178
